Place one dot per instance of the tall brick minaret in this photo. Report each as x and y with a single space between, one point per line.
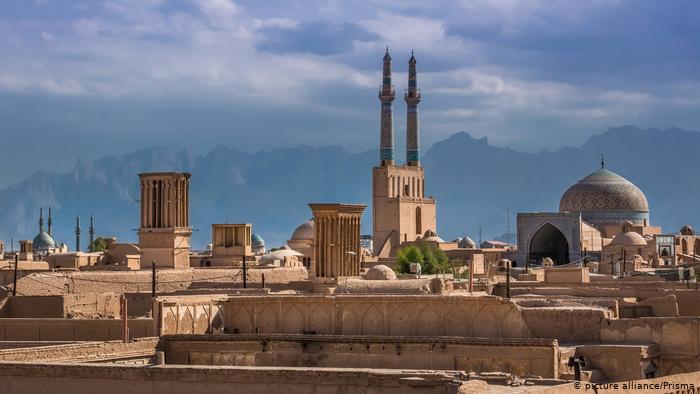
412 98
400 210
386 96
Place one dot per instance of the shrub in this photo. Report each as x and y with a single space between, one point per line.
406 256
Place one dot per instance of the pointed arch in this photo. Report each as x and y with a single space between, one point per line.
549 241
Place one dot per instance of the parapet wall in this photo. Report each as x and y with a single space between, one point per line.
83 352
521 357
387 315
71 329
119 379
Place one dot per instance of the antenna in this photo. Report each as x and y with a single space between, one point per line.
479 236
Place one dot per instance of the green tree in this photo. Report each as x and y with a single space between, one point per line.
406 256
434 259
98 245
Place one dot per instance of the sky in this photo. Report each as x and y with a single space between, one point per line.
84 79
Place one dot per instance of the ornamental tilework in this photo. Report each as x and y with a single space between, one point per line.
604 191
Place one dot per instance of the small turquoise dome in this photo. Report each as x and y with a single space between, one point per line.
257 240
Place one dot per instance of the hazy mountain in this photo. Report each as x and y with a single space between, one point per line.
474 183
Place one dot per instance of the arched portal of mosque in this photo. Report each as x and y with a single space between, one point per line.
548 241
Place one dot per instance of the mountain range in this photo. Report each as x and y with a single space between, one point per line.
475 185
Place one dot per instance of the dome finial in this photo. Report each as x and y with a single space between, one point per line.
602 161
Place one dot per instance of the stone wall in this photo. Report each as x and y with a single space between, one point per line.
402 315
566 275
83 352
388 315
76 306
168 280
678 339
520 357
567 324
688 299
71 329
119 379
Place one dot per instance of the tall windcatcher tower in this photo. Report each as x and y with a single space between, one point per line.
412 98
164 236
400 210
386 96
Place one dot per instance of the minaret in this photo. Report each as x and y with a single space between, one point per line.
412 98
77 233
50 222
386 96
91 232
41 220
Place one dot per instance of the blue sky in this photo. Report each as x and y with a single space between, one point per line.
82 79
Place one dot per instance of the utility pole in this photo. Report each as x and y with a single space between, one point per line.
125 320
245 273
527 261
153 279
14 281
471 276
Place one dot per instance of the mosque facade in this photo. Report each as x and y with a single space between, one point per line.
603 217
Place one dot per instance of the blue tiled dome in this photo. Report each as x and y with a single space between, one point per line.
257 240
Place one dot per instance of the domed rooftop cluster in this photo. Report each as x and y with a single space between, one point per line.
606 197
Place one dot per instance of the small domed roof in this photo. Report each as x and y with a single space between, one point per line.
467 243
380 272
431 235
630 238
279 254
43 242
603 190
257 240
687 230
304 232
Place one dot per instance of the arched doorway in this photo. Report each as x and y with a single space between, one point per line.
548 241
